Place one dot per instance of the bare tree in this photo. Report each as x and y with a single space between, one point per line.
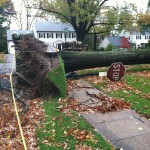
25 15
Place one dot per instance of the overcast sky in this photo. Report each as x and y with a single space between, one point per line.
141 5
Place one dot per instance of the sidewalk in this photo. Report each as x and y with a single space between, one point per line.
5 70
124 129
6 67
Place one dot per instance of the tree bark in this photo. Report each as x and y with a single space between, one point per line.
74 61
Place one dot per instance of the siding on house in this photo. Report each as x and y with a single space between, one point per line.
137 38
60 32
10 43
104 43
125 43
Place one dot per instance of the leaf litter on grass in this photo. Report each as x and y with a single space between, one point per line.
133 88
99 102
10 138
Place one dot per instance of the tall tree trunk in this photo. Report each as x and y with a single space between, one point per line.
80 35
83 60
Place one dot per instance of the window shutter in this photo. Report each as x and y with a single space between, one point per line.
52 35
56 35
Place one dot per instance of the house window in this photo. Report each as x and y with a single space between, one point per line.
73 35
42 35
58 35
138 36
68 35
49 35
147 37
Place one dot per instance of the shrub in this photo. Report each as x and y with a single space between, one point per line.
109 47
148 44
101 49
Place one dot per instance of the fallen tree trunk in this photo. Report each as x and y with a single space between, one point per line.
83 60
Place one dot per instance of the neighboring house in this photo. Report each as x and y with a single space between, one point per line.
116 41
10 43
137 38
54 33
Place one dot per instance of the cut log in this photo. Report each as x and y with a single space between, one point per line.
74 61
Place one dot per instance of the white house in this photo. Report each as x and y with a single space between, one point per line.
54 33
137 38
10 44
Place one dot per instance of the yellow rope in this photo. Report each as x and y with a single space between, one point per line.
16 109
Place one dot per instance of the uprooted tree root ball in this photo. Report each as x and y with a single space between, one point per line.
33 64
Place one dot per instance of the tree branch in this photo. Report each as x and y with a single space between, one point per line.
55 12
105 23
104 1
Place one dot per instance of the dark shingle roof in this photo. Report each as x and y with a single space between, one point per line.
52 26
10 32
115 40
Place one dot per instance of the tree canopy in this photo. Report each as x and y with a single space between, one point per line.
3 1
4 25
148 3
144 21
117 19
3 29
83 15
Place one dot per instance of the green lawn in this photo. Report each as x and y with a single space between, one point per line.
138 95
62 131
134 88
